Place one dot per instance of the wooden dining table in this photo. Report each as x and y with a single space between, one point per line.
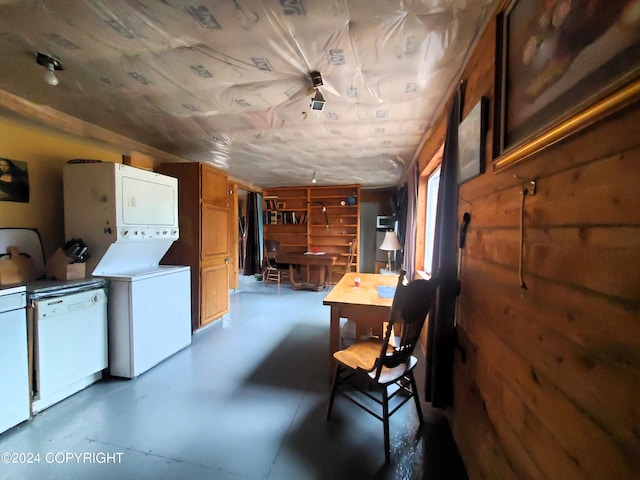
322 260
362 304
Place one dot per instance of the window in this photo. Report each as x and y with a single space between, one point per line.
433 185
428 185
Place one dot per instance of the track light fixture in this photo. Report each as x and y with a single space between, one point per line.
317 101
51 63
316 79
313 180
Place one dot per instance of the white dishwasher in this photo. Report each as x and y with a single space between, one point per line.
70 342
66 325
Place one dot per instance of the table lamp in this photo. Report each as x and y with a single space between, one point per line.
390 244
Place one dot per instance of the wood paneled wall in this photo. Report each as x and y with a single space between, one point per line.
382 196
550 387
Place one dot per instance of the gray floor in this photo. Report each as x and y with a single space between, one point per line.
245 401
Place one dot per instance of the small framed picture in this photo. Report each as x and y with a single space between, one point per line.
14 181
471 143
281 205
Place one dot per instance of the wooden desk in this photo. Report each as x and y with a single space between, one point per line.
324 261
361 304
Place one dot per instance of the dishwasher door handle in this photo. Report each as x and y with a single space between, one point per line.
77 306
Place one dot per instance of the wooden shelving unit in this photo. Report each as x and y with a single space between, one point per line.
304 218
285 217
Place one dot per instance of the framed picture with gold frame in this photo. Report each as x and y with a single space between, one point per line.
561 66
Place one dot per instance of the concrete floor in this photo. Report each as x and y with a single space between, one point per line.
246 401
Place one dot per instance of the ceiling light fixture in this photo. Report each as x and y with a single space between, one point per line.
313 180
317 101
51 63
316 79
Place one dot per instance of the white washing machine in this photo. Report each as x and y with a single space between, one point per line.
149 318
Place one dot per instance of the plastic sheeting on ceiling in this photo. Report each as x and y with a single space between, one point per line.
227 82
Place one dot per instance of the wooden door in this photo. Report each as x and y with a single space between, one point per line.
215 247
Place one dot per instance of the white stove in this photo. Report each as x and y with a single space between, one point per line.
15 395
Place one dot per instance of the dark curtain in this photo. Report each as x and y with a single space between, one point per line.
252 258
441 327
406 199
400 207
400 204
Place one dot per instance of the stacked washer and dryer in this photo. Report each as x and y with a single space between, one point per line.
128 217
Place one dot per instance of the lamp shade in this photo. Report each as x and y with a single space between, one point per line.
390 242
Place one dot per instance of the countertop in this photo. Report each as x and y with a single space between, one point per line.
11 288
50 286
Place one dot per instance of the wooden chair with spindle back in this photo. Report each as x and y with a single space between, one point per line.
382 370
273 271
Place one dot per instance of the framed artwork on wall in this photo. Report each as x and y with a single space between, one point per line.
561 66
471 142
14 181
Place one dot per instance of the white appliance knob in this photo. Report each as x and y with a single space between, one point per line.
164 232
95 298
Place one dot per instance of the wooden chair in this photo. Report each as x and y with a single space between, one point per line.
346 268
382 370
273 271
